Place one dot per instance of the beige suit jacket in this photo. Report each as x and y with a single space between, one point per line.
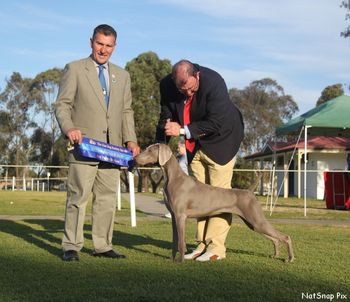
80 104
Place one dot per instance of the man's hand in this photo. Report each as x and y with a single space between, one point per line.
134 148
172 128
74 135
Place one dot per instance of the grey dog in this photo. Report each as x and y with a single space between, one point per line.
187 197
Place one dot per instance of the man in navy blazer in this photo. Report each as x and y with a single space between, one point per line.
214 128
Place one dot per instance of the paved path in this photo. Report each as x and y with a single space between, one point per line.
154 208
150 205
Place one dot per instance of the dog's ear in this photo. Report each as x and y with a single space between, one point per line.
164 154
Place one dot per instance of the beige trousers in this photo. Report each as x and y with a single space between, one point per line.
212 231
102 181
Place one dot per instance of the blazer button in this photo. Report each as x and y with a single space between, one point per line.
104 132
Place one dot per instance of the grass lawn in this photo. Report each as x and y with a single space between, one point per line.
293 208
41 203
32 270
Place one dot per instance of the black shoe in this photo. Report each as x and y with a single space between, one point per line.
70 256
109 254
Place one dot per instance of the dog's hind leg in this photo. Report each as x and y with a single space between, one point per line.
276 237
276 245
274 240
254 217
290 249
256 221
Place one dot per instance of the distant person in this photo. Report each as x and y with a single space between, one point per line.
195 104
94 100
182 159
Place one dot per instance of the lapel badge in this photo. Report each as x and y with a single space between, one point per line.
114 80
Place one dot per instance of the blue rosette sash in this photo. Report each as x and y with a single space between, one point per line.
101 151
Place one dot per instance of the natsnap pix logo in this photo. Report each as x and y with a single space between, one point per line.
319 296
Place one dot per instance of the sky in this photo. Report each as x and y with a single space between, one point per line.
295 42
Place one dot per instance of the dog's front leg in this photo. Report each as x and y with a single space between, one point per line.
180 221
175 236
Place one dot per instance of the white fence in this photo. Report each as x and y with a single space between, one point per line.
47 183
269 186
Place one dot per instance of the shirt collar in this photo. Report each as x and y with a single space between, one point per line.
105 65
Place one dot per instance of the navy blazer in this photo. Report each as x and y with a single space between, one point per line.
216 123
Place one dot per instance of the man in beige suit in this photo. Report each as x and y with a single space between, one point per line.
94 100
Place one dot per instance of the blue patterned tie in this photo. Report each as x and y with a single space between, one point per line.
103 83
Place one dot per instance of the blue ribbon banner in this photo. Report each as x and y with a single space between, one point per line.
106 152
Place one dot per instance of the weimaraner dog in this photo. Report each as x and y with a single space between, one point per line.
187 197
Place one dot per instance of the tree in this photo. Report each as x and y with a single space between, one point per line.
18 110
60 157
41 146
346 4
330 92
264 106
5 136
146 71
47 84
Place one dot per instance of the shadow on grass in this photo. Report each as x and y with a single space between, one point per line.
136 243
246 276
33 280
43 239
243 252
255 254
46 237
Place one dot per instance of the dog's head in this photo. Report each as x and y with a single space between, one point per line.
157 153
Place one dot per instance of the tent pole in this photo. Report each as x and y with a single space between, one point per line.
273 181
273 175
286 171
305 165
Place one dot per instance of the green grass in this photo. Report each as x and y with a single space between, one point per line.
32 203
41 203
293 208
32 270
53 203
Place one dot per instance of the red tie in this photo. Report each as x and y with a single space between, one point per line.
190 143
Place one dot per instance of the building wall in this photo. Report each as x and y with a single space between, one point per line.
315 180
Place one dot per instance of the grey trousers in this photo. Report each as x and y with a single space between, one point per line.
102 181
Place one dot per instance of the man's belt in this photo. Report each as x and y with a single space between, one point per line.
106 152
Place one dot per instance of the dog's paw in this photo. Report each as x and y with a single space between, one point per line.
290 259
179 259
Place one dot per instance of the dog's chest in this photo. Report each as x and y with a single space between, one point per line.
170 192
